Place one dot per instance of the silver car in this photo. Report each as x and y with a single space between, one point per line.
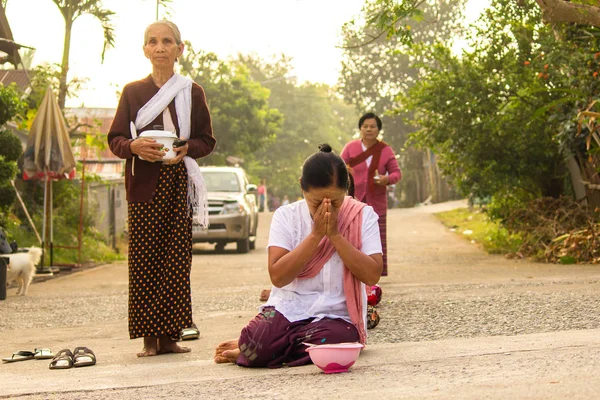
232 209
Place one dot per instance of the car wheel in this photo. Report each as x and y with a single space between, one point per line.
220 247
243 245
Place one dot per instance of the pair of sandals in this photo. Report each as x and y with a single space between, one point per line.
79 357
37 354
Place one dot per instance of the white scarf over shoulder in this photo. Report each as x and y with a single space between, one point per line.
179 88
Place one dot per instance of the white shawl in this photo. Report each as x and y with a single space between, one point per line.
180 88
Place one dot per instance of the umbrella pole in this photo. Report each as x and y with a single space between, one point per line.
44 223
51 227
80 231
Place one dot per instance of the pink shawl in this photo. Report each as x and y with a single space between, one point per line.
350 227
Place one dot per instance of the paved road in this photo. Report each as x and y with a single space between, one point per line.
457 324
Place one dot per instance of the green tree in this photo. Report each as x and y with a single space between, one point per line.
71 10
502 116
312 114
10 148
241 116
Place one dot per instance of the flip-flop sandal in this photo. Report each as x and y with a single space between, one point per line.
43 354
62 360
190 333
19 356
83 357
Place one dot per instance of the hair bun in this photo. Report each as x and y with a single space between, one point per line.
325 148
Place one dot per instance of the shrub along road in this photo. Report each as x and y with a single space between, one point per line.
456 323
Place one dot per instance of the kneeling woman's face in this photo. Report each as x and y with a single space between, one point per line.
315 196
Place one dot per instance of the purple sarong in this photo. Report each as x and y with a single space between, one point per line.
270 340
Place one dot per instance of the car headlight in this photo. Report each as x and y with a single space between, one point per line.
233 208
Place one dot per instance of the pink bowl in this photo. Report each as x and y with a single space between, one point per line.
334 358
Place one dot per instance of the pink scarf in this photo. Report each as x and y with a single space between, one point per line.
350 227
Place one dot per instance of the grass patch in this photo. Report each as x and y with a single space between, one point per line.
492 236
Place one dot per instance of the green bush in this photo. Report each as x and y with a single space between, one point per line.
10 149
10 103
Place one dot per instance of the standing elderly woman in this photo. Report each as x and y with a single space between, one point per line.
374 167
161 194
322 252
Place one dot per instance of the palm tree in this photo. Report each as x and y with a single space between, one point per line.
71 10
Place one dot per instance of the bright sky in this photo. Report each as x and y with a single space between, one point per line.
307 30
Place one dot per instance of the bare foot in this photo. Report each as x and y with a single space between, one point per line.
167 345
228 356
227 352
150 347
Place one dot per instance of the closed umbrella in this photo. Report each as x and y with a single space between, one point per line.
48 155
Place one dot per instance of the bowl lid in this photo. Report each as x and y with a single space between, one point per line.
158 134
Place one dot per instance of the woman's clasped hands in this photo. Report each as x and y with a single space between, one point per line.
326 220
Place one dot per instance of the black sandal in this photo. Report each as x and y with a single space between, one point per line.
372 317
83 357
62 360
19 356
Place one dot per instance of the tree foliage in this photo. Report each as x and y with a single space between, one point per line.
312 114
242 119
502 116
10 148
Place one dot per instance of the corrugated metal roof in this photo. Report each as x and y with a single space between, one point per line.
18 76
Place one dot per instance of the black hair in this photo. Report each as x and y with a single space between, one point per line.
370 115
350 184
324 168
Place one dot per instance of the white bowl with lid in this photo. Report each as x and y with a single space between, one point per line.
165 138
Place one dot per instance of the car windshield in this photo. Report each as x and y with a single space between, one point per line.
221 181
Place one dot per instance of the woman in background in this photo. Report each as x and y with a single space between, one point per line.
374 167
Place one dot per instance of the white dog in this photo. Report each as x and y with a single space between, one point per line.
22 268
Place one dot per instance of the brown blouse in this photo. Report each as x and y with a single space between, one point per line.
142 185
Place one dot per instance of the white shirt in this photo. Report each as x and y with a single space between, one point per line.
323 295
370 158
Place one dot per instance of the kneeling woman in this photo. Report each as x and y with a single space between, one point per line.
322 252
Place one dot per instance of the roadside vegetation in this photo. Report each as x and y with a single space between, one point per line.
476 226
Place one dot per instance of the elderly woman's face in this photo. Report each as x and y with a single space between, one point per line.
161 48
369 129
